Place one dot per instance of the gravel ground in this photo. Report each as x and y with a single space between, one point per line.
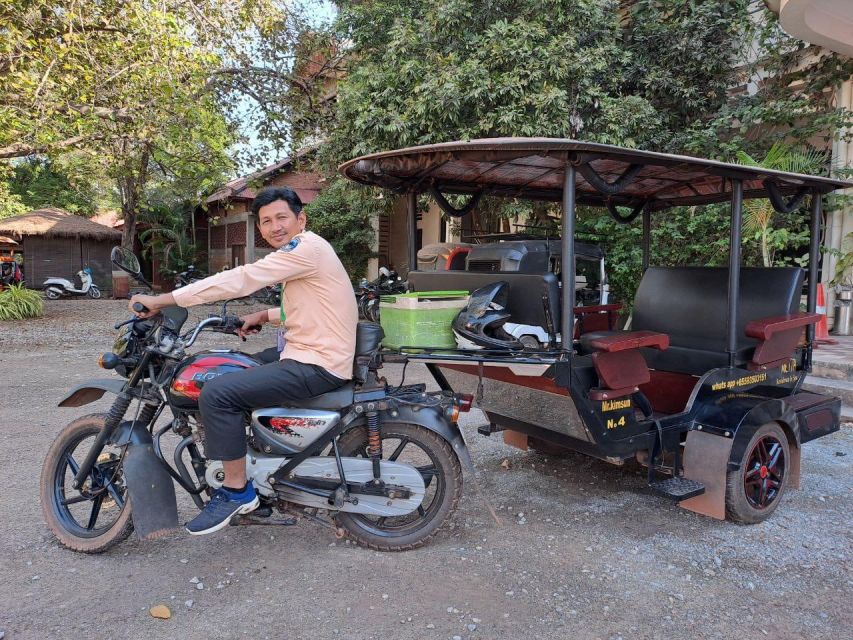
582 551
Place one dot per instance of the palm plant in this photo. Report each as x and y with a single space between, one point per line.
758 214
166 237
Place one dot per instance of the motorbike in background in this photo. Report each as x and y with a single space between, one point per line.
367 294
55 288
183 278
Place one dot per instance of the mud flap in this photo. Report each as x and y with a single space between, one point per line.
154 507
706 459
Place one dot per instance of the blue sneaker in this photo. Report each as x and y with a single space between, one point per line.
224 505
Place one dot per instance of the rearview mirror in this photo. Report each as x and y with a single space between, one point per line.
125 260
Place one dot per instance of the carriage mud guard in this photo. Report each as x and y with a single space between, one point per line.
708 448
152 493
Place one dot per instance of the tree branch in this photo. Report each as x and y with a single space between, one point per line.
20 150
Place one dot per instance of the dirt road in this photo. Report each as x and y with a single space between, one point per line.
583 551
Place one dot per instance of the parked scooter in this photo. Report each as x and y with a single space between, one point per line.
56 288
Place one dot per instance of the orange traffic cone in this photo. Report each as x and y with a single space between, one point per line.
821 333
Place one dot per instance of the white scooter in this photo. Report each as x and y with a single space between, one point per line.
55 288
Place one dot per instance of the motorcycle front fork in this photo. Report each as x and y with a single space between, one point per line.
147 414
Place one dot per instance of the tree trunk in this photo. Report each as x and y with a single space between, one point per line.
131 187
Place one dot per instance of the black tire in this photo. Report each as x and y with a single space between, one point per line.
408 532
755 489
52 293
56 478
94 292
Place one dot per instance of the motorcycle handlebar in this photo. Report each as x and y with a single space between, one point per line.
139 307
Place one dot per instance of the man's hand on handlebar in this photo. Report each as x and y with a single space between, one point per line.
151 305
252 323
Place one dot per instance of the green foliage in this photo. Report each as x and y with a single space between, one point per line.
343 214
424 72
10 203
790 94
844 266
39 182
18 303
683 57
760 218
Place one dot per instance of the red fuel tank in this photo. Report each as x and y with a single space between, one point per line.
195 371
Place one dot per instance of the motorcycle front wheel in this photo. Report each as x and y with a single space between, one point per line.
94 292
97 517
434 458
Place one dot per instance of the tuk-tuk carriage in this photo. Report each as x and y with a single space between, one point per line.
705 388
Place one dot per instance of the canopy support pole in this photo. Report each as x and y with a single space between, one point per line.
412 222
568 260
647 236
814 253
734 268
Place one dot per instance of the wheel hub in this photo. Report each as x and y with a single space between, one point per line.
763 471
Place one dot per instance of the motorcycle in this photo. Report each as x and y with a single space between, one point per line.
270 296
56 288
184 278
383 463
368 293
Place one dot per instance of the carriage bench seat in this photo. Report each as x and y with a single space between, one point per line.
690 305
619 364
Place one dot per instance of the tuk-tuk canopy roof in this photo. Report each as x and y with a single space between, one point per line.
533 168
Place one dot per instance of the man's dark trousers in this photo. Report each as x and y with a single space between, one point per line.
225 399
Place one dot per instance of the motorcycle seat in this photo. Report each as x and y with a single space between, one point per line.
340 398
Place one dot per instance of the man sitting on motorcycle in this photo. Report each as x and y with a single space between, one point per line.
319 317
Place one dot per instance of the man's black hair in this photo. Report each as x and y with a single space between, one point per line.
271 194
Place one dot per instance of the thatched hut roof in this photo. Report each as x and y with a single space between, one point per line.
56 223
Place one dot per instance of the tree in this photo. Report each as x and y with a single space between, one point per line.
40 182
342 213
126 82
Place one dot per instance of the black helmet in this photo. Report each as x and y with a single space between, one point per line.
480 324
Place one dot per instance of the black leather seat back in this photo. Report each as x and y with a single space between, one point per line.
529 294
690 305
368 337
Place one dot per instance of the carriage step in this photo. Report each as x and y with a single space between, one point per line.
678 489
489 429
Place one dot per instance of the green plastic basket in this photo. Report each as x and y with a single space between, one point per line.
421 318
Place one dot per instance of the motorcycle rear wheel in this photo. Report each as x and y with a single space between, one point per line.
442 473
52 293
61 504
